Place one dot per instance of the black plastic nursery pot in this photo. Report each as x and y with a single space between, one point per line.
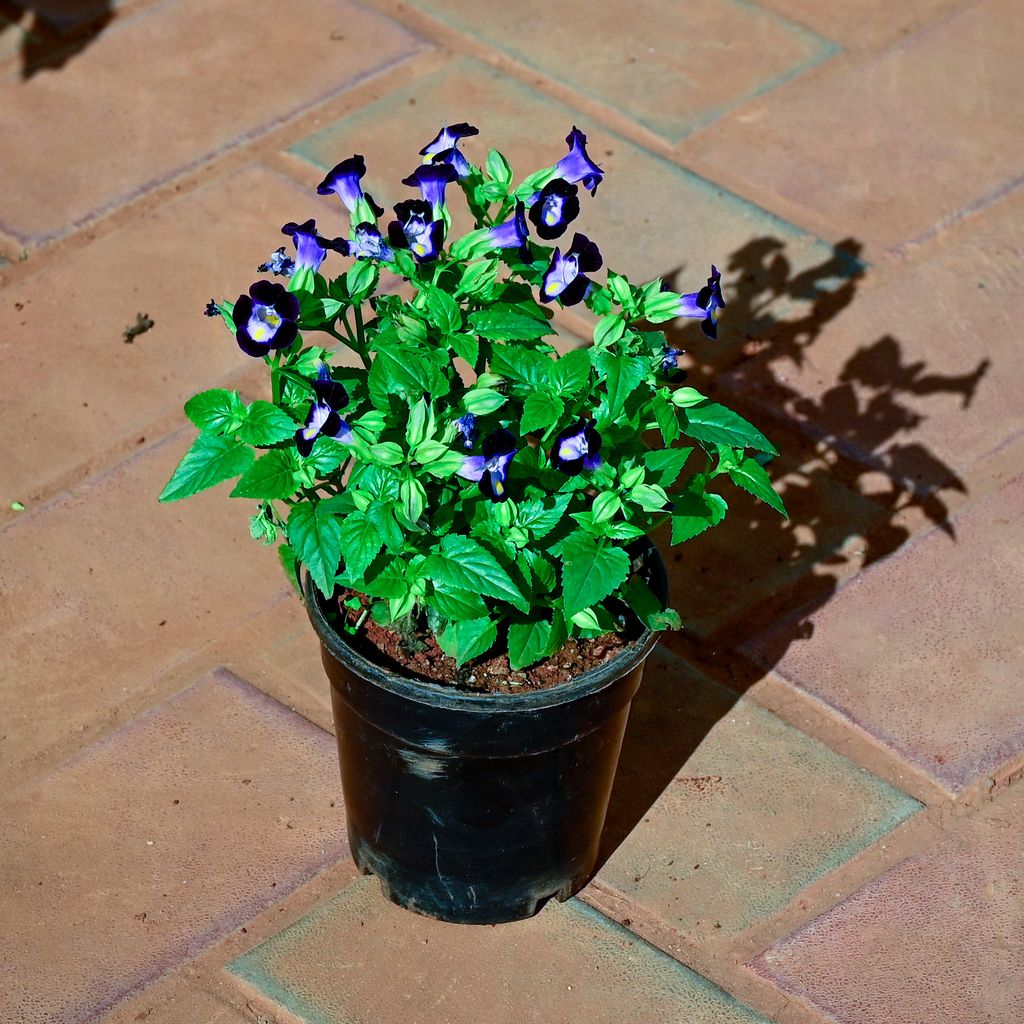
477 808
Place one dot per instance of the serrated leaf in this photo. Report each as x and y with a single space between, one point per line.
265 423
665 414
528 643
502 323
572 371
751 476
270 477
467 346
540 411
622 374
465 564
361 542
716 424
468 639
695 511
315 534
444 311
382 517
457 604
215 411
666 464
405 370
591 570
541 518
209 461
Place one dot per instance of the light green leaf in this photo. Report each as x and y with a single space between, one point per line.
683 398
498 168
540 411
270 477
216 411
541 517
265 423
288 563
457 604
587 619
528 642
444 311
622 373
315 534
468 639
361 542
478 279
387 452
650 497
413 498
481 401
464 564
605 506
609 330
590 571
209 461
504 323
751 476
466 346
572 371
716 424
666 464
695 511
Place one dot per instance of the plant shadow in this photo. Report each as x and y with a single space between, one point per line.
55 31
852 476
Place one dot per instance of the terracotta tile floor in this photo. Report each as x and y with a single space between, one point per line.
818 810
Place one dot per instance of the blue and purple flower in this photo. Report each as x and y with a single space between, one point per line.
280 263
576 166
577 449
212 309
416 230
554 208
343 180
512 234
311 247
431 180
265 319
467 429
705 304
565 277
444 149
490 470
324 418
369 244
670 367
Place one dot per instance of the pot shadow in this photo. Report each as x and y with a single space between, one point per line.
854 477
55 31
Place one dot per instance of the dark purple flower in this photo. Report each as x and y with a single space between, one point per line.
705 304
369 244
444 148
343 180
265 318
576 165
670 364
513 234
311 247
323 417
565 278
491 468
279 263
555 207
416 230
431 180
212 309
466 426
577 449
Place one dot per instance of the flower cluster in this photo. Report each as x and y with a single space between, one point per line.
432 449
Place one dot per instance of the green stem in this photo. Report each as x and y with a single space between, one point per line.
275 377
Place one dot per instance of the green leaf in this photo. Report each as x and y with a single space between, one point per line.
361 279
465 345
315 534
405 370
572 371
413 498
444 311
216 411
683 398
523 366
498 168
605 506
609 330
540 411
502 323
481 401
464 564
622 373
209 461
528 642
590 571
666 464
716 424
478 279
382 517
665 414
457 604
751 476
388 453
288 563
270 477
361 542
468 639
646 606
695 511
390 583
541 517
265 423
650 497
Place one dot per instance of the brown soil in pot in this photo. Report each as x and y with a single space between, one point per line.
418 655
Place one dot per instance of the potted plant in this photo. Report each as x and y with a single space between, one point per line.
469 511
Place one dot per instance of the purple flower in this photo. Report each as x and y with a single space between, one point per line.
444 148
279 263
265 318
323 417
565 278
369 244
491 468
466 426
670 364
311 247
212 309
576 165
343 180
416 230
512 234
431 180
554 208
705 304
577 449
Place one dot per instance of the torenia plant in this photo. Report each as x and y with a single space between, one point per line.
464 476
